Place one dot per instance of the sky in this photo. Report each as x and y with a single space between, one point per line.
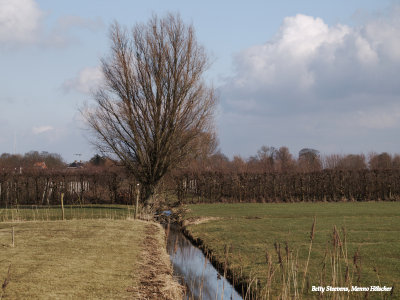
302 74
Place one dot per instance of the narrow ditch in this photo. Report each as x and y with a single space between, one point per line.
195 271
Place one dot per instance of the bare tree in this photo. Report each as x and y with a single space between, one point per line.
238 164
154 104
309 160
331 161
352 162
267 157
396 161
380 161
285 159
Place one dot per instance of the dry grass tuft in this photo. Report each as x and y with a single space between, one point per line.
197 221
6 282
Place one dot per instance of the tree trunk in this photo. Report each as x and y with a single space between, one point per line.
148 193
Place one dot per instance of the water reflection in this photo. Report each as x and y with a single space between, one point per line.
196 271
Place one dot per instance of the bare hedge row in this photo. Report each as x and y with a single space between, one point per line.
84 187
326 185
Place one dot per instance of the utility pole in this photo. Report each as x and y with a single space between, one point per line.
15 143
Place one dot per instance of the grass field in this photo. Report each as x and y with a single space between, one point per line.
81 259
249 232
71 212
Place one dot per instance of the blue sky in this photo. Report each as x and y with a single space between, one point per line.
319 74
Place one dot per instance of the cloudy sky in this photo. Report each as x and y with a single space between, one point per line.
316 74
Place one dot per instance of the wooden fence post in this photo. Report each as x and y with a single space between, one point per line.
62 205
137 200
13 237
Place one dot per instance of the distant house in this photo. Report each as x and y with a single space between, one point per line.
75 165
40 165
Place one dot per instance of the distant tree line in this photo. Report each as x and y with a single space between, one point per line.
272 175
28 160
280 160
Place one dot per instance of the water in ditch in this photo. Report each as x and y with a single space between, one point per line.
195 271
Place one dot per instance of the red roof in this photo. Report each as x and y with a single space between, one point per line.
40 165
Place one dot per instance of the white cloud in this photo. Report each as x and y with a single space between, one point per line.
310 63
20 21
41 129
317 81
86 81
287 58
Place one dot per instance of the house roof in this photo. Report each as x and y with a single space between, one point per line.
40 165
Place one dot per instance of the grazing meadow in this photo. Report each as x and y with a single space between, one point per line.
283 249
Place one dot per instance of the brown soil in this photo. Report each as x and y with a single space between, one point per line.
156 280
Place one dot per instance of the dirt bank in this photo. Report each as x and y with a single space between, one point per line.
156 279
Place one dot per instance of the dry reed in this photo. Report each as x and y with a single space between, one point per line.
287 278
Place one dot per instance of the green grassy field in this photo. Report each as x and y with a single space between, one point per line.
249 231
80 259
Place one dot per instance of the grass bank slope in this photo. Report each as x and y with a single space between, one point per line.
79 259
248 235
